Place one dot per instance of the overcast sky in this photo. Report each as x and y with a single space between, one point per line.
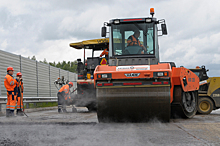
46 28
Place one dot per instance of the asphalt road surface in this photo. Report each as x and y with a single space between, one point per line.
82 129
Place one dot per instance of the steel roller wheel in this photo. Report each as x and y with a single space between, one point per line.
205 106
189 104
184 104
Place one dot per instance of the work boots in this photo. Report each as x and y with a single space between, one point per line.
60 110
8 112
64 110
12 113
20 112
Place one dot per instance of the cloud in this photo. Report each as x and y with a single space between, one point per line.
4 44
46 28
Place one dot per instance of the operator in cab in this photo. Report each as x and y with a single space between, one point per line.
133 41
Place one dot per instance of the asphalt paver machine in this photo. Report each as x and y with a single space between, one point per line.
86 93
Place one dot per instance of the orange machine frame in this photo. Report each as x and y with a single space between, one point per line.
177 76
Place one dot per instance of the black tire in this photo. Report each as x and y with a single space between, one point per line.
205 106
189 106
185 103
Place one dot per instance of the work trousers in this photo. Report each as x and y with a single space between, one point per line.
20 102
11 101
61 101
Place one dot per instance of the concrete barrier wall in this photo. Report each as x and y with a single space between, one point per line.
38 77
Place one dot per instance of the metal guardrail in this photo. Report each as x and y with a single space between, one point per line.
32 99
28 100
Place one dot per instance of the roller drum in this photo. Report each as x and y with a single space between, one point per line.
133 104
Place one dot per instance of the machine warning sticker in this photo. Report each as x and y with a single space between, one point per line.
216 95
103 61
132 75
130 68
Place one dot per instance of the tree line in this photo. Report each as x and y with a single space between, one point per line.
69 66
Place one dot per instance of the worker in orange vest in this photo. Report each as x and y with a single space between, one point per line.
64 97
133 41
11 87
20 95
105 52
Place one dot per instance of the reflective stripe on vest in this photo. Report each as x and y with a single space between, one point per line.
12 83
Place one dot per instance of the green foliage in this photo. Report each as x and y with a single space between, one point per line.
33 58
52 64
58 65
69 66
45 61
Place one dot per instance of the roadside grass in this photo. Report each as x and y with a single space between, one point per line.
40 105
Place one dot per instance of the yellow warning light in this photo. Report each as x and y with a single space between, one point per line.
197 67
152 11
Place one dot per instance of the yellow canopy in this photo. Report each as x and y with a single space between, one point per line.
95 44
91 44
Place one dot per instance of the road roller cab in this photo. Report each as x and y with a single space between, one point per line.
135 86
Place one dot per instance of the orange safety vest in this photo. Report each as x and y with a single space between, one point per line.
65 91
105 52
10 83
132 41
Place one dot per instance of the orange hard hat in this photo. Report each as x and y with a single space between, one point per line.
70 83
10 68
19 74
